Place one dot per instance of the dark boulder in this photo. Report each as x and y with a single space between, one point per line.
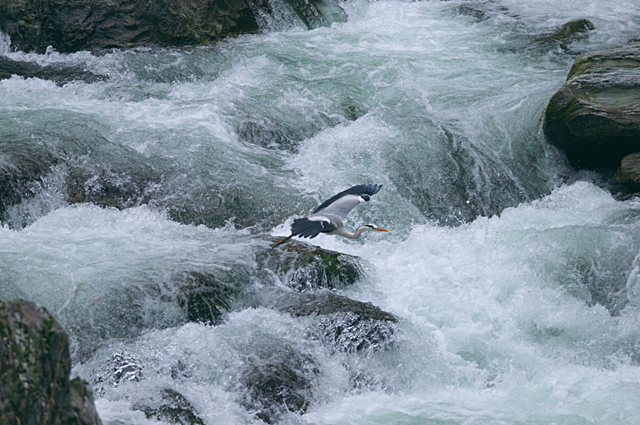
302 266
173 407
594 116
568 33
342 323
73 25
629 171
64 155
207 297
277 379
34 379
58 73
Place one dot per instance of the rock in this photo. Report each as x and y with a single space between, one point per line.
595 116
317 13
569 32
278 379
73 25
344 324
174 408
629 171
206 297
302 267
34 378
57 73
72 162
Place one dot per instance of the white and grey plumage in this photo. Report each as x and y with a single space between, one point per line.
327 218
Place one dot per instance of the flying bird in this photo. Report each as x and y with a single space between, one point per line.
327 218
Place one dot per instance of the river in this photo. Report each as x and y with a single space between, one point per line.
514 278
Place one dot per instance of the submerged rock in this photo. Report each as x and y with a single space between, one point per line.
568 33
59 74
63 160
73 25
34 378
344 324
173 408
278 379
594 116
303 267
206 297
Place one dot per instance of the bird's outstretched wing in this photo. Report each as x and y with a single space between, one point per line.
347 200
310 228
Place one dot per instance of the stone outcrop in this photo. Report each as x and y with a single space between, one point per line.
629 171
73 25
595 115
34 378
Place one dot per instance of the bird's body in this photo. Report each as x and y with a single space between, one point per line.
327 218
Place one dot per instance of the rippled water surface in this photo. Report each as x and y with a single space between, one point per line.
514 279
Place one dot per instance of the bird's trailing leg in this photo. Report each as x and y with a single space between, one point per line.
283 241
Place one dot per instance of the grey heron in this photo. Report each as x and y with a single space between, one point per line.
327 218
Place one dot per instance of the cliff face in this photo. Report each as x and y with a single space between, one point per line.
34 371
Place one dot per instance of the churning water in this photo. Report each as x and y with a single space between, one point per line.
515 280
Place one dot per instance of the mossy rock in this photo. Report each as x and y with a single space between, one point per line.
34 377
594 115
302 266
206 297
72 25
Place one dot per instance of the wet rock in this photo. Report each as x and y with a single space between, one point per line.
317 13
174 408
206 297
73 25
344 324
594 116
34 378
265 133
303 267
629 171
278 379
568 33
214 206
59 74
66 161
22 166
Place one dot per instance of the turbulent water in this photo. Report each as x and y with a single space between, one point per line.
515 279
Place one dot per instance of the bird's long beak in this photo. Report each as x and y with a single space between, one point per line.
380 229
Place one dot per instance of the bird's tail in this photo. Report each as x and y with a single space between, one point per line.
283 241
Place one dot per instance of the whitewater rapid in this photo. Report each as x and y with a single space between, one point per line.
514 278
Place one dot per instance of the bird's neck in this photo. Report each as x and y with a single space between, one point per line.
355 235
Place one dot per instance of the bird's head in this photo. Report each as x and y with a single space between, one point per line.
374 227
